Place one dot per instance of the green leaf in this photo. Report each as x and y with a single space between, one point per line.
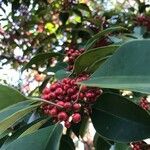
44 139
100 143
9 96
2 141
100 35
83 126
122 146
18 132
84 61
66 143
132 83
4 134
59 66
60 74
127 69
4 113
118 119
41 58
33 128
96 64
13 114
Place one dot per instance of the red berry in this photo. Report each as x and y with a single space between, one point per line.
76 118
46 91
81 95
62 116
58 91
53 87
76 107
74 97
67 124
67 106
66 80
72 82
60 103
66 87
70 91
53 112
46 97
144 103
84 88
89 95
52 96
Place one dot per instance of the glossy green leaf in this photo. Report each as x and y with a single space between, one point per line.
59 66
60 74
4 113
122 146
127 69
41 58
84 61
2 141
118 119
100 35
44 139
66 143
13 114
9 96
4 134
33 128
17 133
97 64
100 143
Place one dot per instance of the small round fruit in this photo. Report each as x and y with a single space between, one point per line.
62 116
76 118
67 124
53 112
76 107
67 106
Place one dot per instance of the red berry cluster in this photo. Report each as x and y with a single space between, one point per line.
138 145
71 100
71 55
144 103
103 42
143 21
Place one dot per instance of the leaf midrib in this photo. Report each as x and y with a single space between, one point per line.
50 135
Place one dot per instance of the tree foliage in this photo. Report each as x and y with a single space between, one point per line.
81 58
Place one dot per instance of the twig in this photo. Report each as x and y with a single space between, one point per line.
78 94
45 101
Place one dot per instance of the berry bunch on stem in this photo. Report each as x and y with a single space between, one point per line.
144 103
71 55
141 145
143 21
72 100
